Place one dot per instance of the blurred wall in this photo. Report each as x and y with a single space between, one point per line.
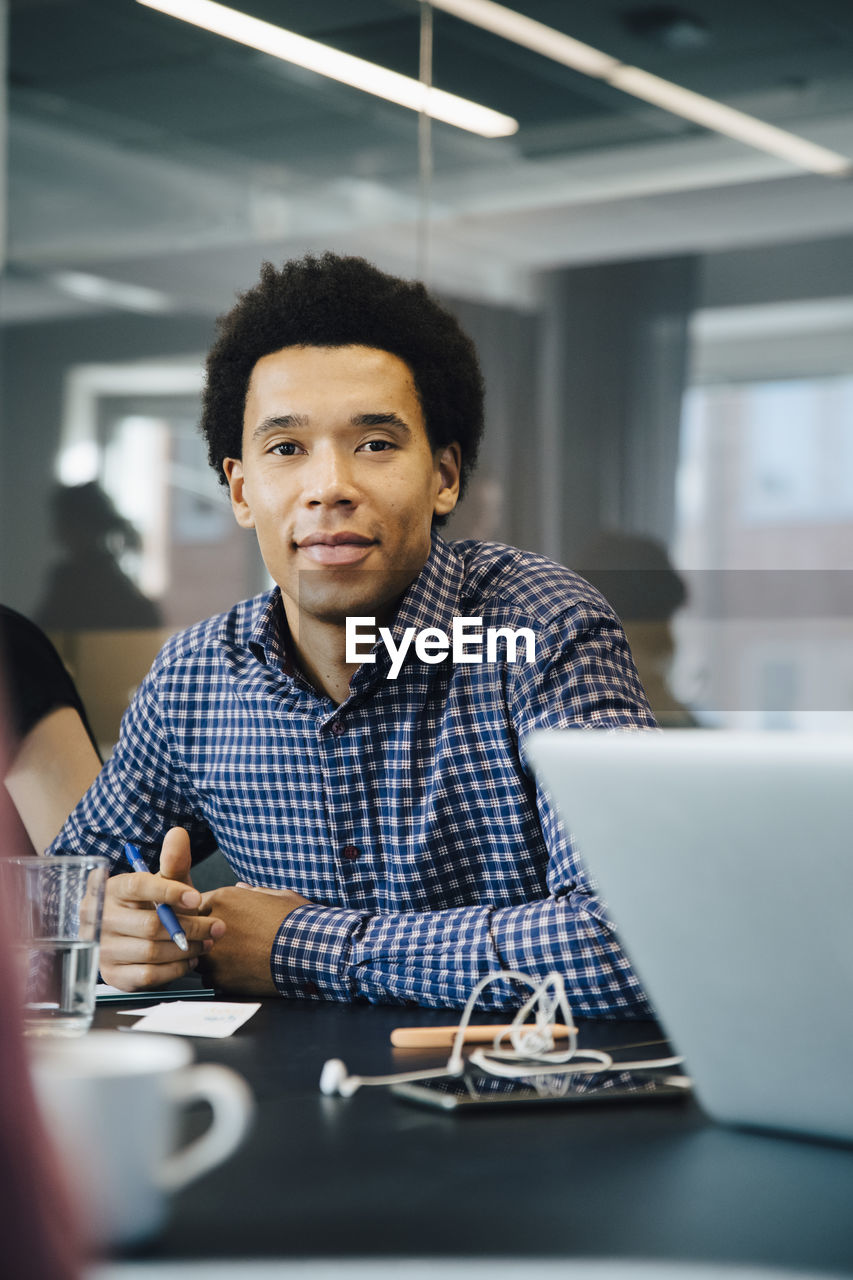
582 395
34 360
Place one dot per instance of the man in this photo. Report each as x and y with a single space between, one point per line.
374 801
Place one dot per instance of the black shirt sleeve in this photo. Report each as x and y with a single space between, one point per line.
35 679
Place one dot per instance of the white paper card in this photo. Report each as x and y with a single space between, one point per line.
213 1018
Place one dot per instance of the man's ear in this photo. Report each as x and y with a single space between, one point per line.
449 465
233 468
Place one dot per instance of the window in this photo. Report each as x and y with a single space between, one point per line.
764 532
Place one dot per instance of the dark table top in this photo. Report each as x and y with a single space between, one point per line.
370 1176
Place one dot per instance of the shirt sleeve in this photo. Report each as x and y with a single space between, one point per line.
586 680
140 793
35 679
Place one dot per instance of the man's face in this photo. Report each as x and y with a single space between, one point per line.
338 479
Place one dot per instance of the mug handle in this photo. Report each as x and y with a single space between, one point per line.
231 1100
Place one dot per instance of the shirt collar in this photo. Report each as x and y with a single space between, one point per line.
269 635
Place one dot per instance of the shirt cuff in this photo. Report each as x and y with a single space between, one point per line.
311 952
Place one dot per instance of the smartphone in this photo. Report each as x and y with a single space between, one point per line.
473 1092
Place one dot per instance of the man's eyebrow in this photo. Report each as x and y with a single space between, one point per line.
301 422
285 422
381 420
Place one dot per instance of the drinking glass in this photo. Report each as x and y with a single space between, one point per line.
56 906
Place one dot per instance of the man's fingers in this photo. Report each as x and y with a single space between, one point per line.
136 977
144 888
176 856
125 950
129 921
136 950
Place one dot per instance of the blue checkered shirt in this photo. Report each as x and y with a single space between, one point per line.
407 813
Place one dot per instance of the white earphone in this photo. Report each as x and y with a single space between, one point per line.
335 1080
532 1052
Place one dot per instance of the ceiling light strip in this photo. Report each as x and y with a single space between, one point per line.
532 35
111 293
707 112
344 67
735 124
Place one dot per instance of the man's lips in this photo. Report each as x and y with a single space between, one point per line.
335 548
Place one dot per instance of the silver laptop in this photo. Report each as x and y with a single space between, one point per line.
726 861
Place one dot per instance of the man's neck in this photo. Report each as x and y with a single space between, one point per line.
318 647
319 650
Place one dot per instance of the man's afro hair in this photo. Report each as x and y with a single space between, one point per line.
335 301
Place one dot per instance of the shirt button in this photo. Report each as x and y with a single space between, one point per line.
311 989
338 727
350 852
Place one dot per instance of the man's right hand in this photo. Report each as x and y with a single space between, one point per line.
136 950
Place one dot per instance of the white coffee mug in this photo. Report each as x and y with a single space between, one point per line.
112 1102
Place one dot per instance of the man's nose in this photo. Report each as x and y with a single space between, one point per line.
329 479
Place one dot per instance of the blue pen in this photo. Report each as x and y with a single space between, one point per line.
166 914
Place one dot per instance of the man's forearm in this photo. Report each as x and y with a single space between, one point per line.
436 958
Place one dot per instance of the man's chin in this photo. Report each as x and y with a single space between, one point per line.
332 595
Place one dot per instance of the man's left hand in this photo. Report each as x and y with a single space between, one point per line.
240 961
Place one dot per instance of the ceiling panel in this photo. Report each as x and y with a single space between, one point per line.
134 137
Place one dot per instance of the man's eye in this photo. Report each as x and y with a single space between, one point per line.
285 449
377 446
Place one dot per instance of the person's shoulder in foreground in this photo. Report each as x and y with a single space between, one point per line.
395 844
36 680
54 756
